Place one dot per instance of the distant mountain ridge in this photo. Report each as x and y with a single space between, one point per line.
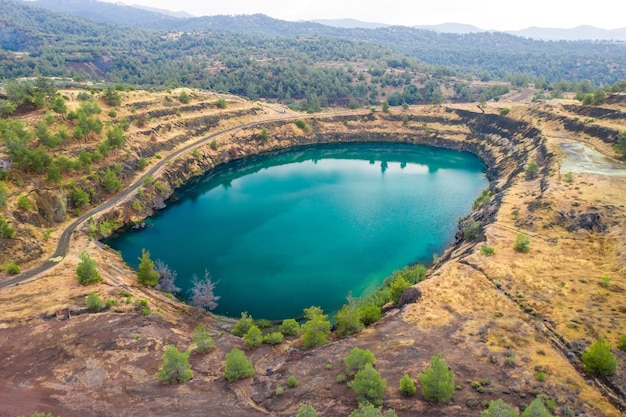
578 33
107 12
178 14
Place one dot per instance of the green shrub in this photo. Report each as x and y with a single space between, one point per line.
263 323
93 302
146 311
237 366
569 177
175 366
213 145
23 203
6 231
273 338
306 411
12 268
243 325
522 243
366 409
499 408
370 314
220 103
605 281
398 286
348 320
357 359
598 359
470 228
341 378
253 337
141 164
110 303
487 250
279 391
483 199
541 376
136 205
437 380
407 385
368 385
301 124
289 327
292 382
532 170
504 111
184 97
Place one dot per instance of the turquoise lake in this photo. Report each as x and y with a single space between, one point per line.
279 233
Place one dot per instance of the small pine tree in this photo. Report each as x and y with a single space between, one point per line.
532 170
86 270
407 386
437 380
357 359
202 338
146 274
306 411
522 243
369 386
369 410
175 366
237 366
316 329
243 325
499 408
253 337
93 302
598 359
348 319
265 136
536 409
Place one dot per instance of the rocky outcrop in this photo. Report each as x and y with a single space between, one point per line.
596 112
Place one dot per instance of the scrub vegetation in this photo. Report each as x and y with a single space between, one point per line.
91 120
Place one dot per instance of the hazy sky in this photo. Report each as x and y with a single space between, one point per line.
486 14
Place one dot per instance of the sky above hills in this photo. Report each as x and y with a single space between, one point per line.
485 14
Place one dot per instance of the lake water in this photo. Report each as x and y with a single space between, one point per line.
280 233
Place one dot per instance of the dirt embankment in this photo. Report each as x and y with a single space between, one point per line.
498 320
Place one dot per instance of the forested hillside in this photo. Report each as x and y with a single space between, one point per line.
492 55
304 64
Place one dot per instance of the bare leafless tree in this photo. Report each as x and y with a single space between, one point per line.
167 277
202 292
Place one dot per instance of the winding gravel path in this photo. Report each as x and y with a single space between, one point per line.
64 239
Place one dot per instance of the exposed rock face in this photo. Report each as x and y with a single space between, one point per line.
51 208
591 220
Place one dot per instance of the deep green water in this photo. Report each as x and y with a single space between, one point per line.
307 227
